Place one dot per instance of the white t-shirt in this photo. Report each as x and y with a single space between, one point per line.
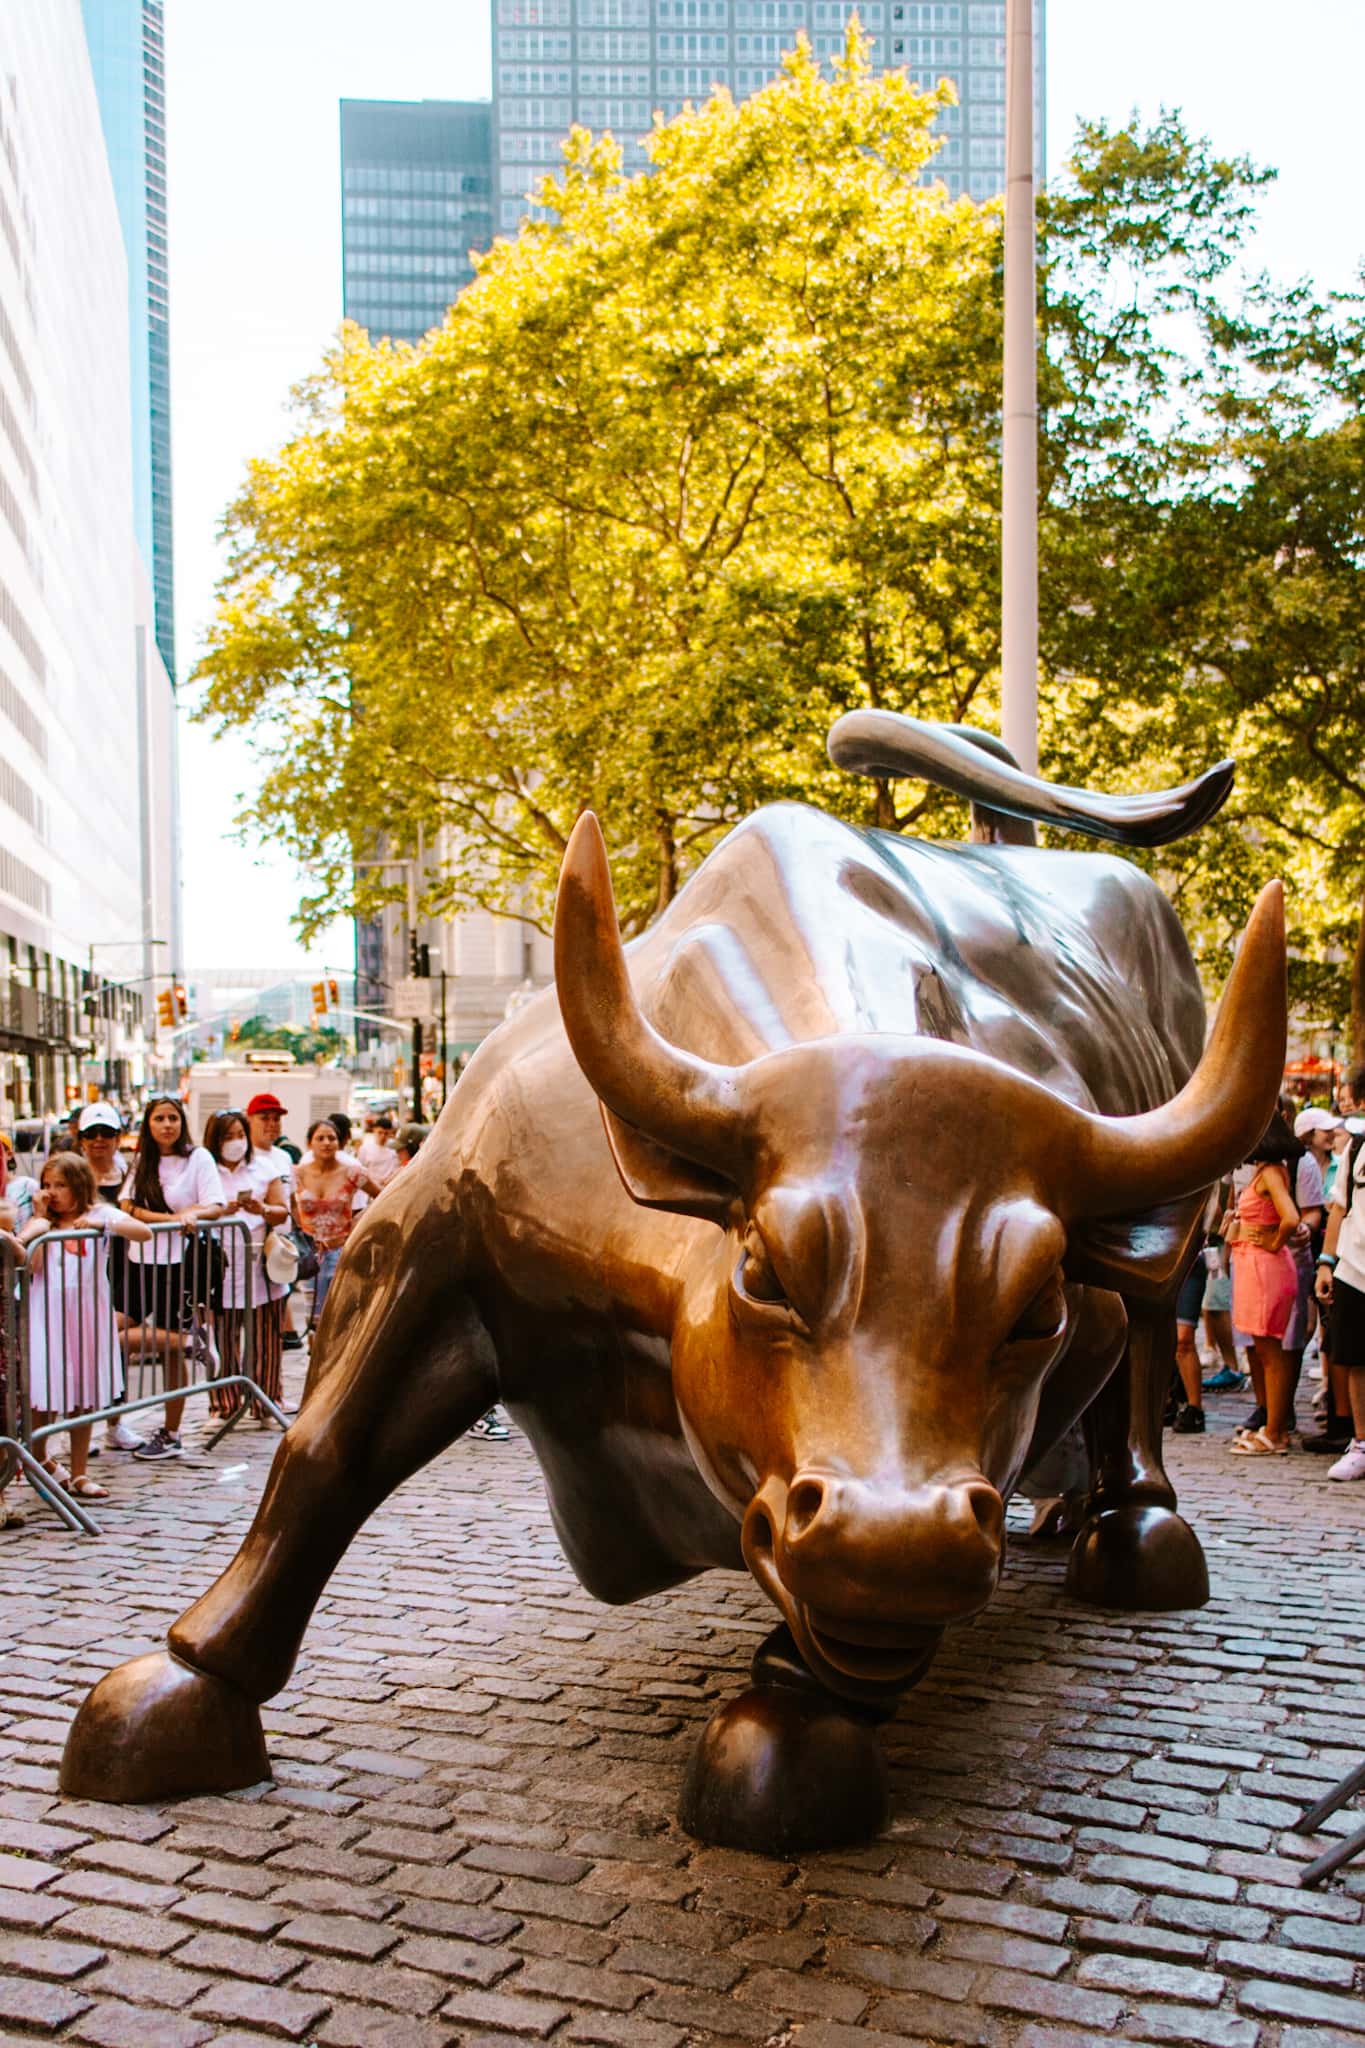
253 1176
379 1161
187 1183
1309 1192
280 1163
1350 1265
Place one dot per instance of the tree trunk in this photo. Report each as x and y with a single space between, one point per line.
884 816
1358 995
666 887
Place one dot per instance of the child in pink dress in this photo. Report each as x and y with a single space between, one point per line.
73 1363
1265 1285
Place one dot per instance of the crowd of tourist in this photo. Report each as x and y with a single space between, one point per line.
143 1282
1277 1284
1280 1280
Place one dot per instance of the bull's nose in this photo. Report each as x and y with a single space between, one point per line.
932 1551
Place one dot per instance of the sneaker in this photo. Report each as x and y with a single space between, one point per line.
1352 1466
160 1444
292 1341
491 1428
1331 1443
119 1437
1223 1380
1189 1422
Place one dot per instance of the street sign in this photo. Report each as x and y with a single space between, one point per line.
412 1000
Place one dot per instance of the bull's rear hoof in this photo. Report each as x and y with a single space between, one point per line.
155 1728
1142 1558
780 1770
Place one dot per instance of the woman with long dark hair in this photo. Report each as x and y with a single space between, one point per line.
253 1192
172 1180
1265 1284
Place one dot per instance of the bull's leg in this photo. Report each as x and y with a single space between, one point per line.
1135 1551
786 1767
404 1366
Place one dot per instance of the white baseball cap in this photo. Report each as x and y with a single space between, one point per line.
99 1116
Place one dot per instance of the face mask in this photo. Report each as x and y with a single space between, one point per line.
234 1149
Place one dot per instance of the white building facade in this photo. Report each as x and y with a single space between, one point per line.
87 721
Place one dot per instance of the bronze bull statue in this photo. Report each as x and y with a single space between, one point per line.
791 1235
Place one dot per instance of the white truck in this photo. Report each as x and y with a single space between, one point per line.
307 1092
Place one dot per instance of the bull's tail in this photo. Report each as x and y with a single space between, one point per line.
981 767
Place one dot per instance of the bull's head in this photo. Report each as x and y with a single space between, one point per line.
859 1352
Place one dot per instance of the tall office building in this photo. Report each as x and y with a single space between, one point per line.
416 186
614 63
86 709
127 58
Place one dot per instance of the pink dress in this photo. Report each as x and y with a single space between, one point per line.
1265 1284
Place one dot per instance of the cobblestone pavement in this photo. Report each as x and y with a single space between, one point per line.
471 1836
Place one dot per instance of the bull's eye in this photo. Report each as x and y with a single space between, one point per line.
755 1275
1044 1316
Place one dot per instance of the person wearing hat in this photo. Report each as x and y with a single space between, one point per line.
1317 1131
265 1120
98 1129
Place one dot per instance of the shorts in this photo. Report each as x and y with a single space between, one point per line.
1348 1325
1190 1299
154 1294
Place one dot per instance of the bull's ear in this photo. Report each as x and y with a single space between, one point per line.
1139 1255
657 1178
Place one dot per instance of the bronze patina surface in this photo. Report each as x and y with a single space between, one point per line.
791 1235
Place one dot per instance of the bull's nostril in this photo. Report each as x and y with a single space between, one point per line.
758 1532
988 1508
804 1503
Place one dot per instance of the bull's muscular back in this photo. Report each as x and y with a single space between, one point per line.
1070 967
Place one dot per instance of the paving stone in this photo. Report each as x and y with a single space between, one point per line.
44 2008
536 2018
1150 1977
269 2007
36 1955
1294 2002
113 2025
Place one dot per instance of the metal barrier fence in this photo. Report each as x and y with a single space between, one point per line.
96 1327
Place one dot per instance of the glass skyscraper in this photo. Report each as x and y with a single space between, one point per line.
127 58
416 197
614 63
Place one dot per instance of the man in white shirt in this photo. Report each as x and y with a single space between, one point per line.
376 1153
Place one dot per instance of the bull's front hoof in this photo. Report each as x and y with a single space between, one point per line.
156 1728
780 1770
1143 1558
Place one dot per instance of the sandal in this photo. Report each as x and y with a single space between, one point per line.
1256 1444
86 1488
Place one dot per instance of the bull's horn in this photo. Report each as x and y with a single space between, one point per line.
672 1096
1132 1163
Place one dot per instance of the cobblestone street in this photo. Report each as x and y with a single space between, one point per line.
471 1836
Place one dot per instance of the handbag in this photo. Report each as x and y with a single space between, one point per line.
205 1267
309 1256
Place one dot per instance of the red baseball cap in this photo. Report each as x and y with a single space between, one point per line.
259 1104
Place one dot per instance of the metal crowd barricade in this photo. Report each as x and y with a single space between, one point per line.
93 1331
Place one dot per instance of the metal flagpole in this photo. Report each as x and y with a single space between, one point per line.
1019 444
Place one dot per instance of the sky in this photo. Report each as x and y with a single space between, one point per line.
255 235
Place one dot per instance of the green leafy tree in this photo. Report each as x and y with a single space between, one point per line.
706 457
317 1043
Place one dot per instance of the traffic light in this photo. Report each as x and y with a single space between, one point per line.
165 1009
319 999
182 1001
419 959
234 1030
332 991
